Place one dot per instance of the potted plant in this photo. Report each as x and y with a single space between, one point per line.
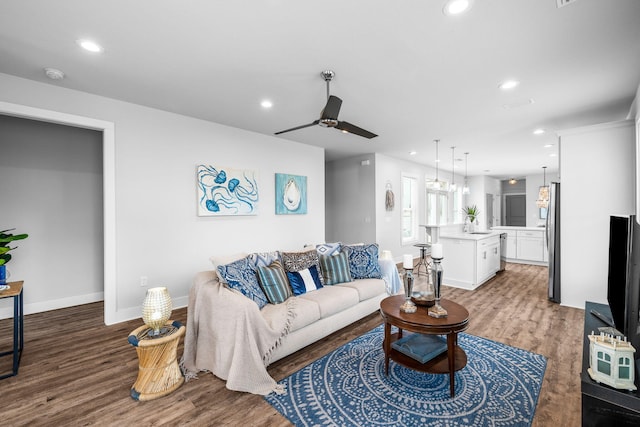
7 237
471 212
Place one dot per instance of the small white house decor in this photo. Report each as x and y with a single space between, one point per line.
611 361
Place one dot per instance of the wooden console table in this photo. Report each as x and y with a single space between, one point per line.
457 321
158 370
15 292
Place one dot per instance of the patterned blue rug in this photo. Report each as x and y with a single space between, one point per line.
499 387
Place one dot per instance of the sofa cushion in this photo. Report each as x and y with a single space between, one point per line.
367 288
304 281
274 282
335 268
305 313
296 261
363 261
333 299
241 275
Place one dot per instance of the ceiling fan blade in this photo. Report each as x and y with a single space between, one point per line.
298 127
332 109
348 127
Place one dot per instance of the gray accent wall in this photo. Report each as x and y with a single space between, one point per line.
51 188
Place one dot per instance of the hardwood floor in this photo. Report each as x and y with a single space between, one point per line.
75 371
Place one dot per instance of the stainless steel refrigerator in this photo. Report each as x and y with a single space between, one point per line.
553 241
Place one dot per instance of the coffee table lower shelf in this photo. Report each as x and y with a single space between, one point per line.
437 365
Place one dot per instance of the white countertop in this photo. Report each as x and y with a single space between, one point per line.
508 227
470 236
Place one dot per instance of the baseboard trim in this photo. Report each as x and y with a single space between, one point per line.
38 307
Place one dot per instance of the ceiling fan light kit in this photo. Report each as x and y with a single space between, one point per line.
329 115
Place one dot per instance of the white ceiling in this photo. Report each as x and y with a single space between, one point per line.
404 70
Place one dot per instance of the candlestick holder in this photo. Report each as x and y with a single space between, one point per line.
437 310
408 306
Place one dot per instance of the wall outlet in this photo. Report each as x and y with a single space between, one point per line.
144 280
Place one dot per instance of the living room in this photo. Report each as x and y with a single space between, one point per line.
150 227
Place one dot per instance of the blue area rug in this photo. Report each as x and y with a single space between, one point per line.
499 387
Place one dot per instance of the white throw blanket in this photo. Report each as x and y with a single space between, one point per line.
228 336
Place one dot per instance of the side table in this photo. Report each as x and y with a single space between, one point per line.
420 322
15 291
158 370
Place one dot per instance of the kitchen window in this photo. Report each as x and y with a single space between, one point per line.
443 206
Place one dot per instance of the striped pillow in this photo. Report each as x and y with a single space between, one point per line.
335 268
274 283
304 281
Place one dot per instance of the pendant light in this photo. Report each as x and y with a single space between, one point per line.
543 193
465 189
453 187
437 183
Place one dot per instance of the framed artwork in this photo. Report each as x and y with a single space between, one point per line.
226 191
291 194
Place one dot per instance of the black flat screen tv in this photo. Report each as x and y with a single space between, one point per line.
623 287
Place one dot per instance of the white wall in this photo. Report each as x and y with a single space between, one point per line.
479 187
598 173
157 231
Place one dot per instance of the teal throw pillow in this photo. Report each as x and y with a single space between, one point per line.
273 280
335 268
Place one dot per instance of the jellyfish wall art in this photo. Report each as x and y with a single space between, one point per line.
225 191
291 194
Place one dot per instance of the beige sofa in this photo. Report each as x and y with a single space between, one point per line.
229 336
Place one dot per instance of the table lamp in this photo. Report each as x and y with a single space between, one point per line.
156 309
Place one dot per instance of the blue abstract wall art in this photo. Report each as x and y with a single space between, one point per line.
291 194
226 191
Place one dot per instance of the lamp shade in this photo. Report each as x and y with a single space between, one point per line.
156 308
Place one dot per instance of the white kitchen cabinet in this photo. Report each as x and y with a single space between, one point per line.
470 262
530 245
525 245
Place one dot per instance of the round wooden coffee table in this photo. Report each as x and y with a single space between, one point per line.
452 360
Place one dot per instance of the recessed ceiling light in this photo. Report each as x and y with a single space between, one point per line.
413 153
508 84
538 131
90 45
456 7
548 145
552 155
266 104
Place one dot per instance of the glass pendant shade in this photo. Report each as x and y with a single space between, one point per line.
543 193
156 308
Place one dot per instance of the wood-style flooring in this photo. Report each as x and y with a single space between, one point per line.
75 371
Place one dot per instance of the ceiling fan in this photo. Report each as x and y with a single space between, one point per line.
329 115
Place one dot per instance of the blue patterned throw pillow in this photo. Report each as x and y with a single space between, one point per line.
241 276
335 268
304 281
328 248
263 259
363 261
273 280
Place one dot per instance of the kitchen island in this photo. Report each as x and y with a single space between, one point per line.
470 259
525 245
